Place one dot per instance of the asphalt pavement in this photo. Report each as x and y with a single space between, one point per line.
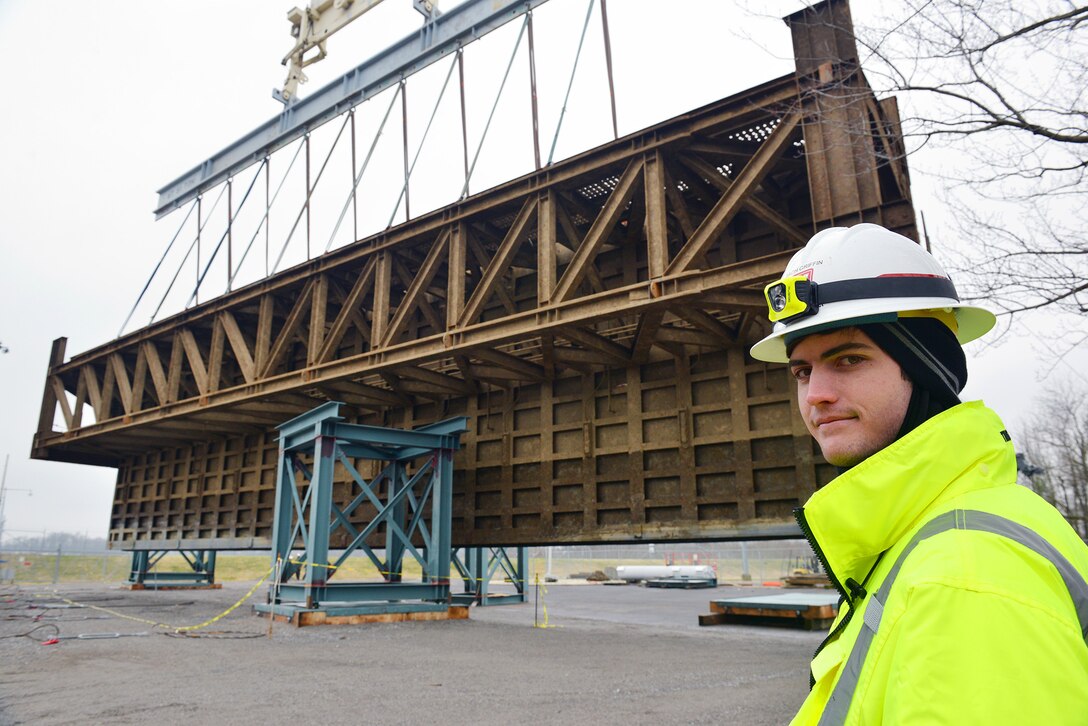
611 655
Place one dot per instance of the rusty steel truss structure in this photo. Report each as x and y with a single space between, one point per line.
591 321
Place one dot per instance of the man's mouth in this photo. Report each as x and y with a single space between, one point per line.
826 420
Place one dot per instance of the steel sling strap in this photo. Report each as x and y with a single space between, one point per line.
843 694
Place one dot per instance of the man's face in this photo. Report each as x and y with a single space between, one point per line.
852 395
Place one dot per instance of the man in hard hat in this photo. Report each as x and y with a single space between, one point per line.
964 595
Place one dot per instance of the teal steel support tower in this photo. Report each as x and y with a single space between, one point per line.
412 496
201 574
478 566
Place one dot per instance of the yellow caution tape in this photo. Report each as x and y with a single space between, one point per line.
312 564
175 628
235 606
543 590
114 613
229 610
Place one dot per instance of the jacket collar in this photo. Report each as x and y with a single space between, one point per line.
866 510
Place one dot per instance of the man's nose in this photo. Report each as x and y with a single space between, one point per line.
820 388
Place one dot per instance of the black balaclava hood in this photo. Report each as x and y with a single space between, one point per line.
931 358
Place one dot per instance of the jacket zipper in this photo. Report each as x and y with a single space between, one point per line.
799 515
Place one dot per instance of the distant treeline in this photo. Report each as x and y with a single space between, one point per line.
50 541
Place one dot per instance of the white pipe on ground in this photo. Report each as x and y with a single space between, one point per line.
634 573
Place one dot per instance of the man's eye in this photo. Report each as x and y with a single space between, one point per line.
850 360
801 374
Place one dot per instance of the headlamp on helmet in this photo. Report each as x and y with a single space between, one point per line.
790 298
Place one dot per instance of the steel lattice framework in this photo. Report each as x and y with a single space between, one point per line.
590 320
304 582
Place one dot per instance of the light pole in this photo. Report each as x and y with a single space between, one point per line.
3 495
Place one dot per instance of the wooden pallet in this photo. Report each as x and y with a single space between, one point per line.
810 611
817 580
321 617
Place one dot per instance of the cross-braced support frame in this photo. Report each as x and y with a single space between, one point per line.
201 572
478 567
411 496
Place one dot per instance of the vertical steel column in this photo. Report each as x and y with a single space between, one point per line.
282 532
478 571
209 565
521 578
442 517
48 410
139 568
320 495
394 547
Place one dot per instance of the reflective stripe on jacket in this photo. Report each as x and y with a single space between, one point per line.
976 626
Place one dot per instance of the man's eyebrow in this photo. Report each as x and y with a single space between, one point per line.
830 352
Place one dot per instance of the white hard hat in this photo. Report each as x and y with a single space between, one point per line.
862 274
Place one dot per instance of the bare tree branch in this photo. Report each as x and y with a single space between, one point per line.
1000 89
1057 448
1077 15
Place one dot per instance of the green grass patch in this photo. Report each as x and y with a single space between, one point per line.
234 567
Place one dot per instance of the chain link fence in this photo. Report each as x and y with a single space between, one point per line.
38 566
759 561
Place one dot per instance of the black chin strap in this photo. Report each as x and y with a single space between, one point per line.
919 410
922 407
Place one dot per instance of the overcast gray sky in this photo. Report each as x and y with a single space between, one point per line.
106 102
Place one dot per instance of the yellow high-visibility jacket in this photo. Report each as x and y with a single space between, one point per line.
965 595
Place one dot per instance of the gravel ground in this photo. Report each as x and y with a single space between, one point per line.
616 655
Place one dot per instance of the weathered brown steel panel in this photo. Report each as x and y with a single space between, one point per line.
49 396
678 448
850 140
